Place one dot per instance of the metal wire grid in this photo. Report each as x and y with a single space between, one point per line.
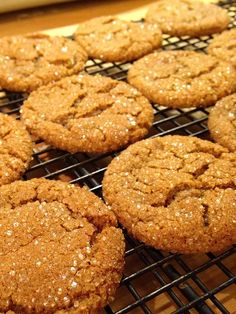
182 283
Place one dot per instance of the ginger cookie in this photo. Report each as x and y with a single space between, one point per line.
182 78
60 249
29 61
87 114
223 46
222 122
111 39
15 149
186 17
175 193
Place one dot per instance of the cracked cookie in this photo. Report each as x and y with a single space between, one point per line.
29 61
186 17
111 39
222 122
15 149
182 78
60 249
175 193
87 114
223 46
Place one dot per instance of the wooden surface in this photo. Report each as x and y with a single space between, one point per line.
58 16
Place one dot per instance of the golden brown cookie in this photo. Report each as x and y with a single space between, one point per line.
182 78
60 249
175 193
111 39
29 61
15 149
222 122
223 46
186 17
87 114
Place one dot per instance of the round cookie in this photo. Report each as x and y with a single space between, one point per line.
175 193
182 78
15 149
222 122
87 114
55 253
29 61
223 46
186 17
111 39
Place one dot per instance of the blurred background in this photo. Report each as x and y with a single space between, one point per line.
11 5
23 16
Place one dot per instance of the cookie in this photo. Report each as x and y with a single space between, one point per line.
87 114
175 193
223 46
29 61
186 17
60 249
182 78
222 122
15 149
111 39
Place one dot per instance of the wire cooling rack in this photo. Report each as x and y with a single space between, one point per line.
154 281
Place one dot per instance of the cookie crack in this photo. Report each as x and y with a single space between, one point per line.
3 136
10 154
72 214
24 202
205 215
195 185
198 75
206 150
229 45
178 71
69 229
69 63
95 111
200 171
232 122
172 194
179 157
22 245
16 155
140 191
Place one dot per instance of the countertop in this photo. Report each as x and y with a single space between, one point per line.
59 15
